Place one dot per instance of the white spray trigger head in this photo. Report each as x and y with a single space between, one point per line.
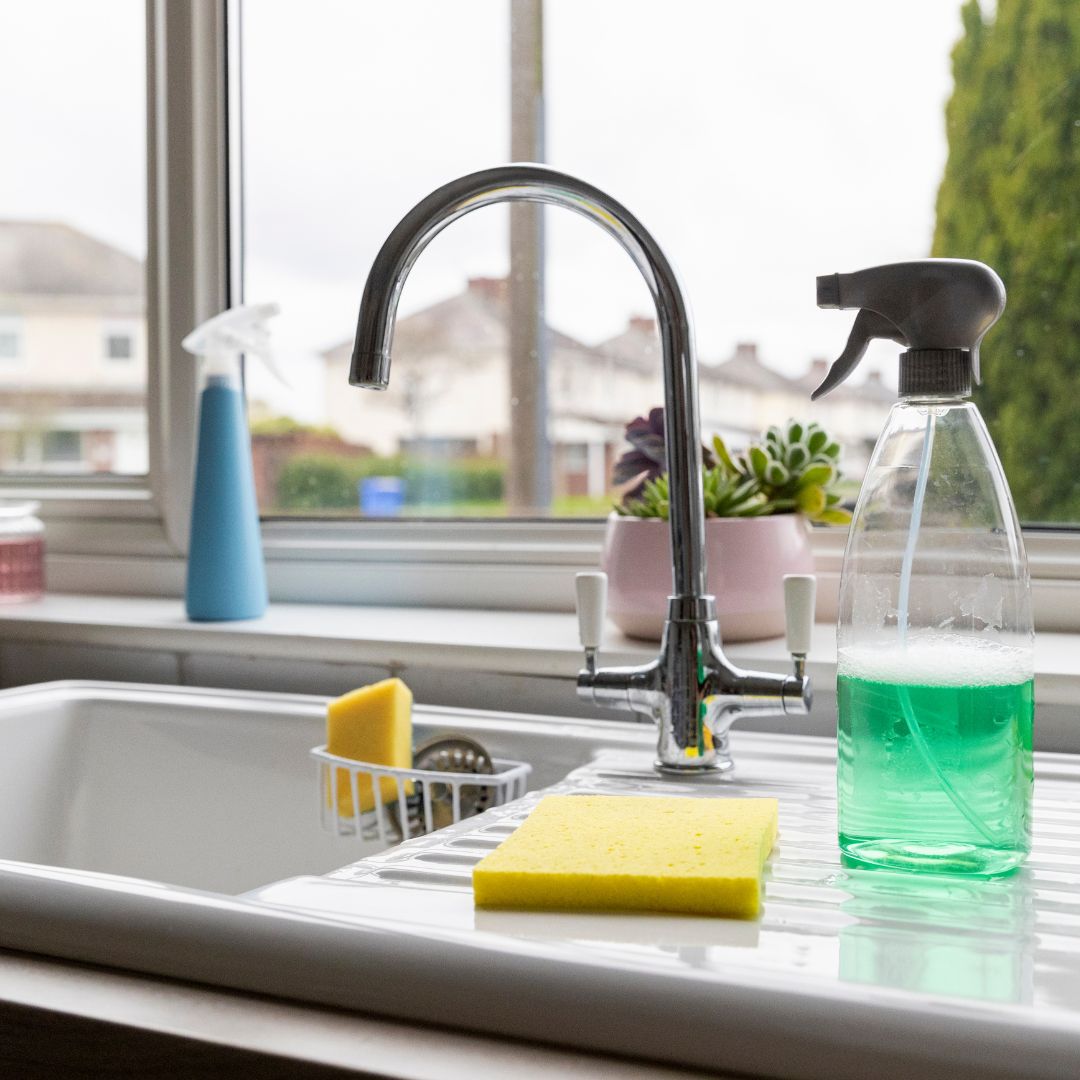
237 331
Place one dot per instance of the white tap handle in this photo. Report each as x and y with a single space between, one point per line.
799 595
591 607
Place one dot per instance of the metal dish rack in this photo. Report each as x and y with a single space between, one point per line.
437 799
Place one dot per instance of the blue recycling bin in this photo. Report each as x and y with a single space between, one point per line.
381 496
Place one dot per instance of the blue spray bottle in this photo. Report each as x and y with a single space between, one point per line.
226 577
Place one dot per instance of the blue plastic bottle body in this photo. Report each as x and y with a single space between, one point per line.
226 577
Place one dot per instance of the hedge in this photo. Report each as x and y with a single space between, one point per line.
328 482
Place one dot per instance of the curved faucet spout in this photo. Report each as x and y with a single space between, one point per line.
537 183
690 690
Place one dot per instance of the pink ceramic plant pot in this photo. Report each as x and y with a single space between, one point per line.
747 561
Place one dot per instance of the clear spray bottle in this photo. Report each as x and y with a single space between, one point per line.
935 638
226 577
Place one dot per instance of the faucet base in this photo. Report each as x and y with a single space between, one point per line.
710 770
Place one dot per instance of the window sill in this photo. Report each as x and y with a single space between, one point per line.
509 643
500 642
508 566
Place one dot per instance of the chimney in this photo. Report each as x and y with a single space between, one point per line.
746 350
873 378
642 324
491 289
819 367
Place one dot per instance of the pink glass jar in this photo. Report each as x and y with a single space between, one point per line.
22 552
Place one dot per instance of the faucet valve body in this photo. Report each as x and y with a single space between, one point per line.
692 691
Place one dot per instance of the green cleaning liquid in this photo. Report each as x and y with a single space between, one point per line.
934 756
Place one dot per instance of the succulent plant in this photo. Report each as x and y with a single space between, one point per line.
647 460
725 496
791 469
795 466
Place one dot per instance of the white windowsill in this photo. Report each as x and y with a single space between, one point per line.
491 642
520 643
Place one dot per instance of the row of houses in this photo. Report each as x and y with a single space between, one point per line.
73 368
451 394
72 353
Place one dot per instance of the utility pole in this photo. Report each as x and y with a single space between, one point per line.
529 472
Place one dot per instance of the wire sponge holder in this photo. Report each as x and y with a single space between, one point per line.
419 801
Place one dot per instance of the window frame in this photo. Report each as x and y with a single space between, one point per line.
129 535
91 522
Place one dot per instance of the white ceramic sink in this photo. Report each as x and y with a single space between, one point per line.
847 974
205 789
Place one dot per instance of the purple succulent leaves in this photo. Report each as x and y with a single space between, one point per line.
648 458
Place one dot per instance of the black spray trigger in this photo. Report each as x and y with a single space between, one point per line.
938 309
867 326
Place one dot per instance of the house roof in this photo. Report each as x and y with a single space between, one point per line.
871 388
477 316
746 369
53 259
638 346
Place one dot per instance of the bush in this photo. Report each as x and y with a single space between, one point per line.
320 482
272 426
315 482
438 484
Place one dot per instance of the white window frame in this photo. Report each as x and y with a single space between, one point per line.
119 535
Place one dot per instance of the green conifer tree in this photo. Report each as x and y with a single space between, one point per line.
1010 196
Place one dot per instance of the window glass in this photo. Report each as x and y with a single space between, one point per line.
10 337
119 345
759 162
61 447
72 237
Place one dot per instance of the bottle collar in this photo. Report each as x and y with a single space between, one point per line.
935 373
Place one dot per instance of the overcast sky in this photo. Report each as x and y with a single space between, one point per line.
762 143
73 116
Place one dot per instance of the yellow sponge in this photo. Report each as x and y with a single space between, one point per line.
371 724
693 855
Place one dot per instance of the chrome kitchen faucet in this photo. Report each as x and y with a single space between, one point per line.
691 690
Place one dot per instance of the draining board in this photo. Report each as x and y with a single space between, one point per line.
846 970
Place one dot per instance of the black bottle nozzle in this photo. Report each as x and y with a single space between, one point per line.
828 291
939 309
